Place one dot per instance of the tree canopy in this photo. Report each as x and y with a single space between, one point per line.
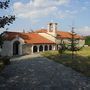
4 4
87 40
5 20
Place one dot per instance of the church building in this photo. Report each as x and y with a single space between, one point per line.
23 43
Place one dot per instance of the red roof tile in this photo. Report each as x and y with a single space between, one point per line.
60 34
67 35
41 31
32 38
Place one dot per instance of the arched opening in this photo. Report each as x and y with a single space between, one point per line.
35 49
50 47
46 47
40 48
16 48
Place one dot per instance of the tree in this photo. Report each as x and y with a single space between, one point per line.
4 4
62 47
87 40
5 20
73 42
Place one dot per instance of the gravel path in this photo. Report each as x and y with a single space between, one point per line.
39 73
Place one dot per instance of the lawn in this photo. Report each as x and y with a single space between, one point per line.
80 63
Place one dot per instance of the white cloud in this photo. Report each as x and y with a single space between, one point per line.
38 8
45 3
84 8
66 14
84 30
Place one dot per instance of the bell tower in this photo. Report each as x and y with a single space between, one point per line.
52 28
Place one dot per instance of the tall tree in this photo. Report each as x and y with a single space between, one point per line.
5 20
73 42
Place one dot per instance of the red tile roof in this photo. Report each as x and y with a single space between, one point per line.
41 31
67 35
60 34
35 38
32 38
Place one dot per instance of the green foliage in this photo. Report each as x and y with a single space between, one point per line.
87 40
6 60
6 19
4 4
1 40
1 64
62 48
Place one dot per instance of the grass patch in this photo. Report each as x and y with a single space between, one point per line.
80 63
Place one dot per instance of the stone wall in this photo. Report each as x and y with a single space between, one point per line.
26 49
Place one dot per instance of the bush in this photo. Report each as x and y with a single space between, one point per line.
62 48
6 60
1 64
87 40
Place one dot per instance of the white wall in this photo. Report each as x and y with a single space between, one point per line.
81 43
20 45
7 48
50 37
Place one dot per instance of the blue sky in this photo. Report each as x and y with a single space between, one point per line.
36 14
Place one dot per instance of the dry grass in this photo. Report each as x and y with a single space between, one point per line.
80 63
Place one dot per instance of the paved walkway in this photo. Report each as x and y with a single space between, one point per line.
38 73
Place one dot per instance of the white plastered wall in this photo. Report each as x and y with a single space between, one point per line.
50 37
7 49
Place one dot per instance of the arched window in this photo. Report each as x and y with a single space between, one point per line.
50 47
46 47
16 48
35 49
40 48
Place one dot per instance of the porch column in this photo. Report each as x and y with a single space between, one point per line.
43 48
48 47
20 49
54 47
38 48
32 49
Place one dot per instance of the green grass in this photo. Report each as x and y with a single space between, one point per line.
80 63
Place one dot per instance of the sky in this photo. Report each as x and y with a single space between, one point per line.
36 14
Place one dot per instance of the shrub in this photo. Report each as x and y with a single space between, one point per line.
87 40
1 64
6 60
62 48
